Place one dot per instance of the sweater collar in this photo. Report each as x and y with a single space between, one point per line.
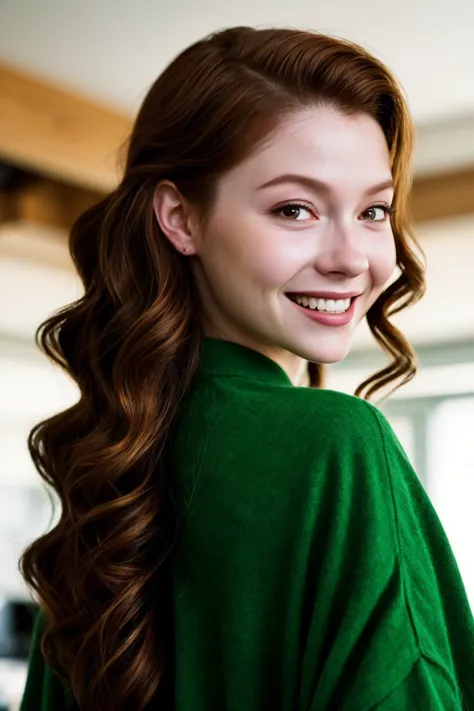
226 358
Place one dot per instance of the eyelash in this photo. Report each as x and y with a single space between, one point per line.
388 209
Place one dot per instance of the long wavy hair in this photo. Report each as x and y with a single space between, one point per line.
132 343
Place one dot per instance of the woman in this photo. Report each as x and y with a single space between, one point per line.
230 539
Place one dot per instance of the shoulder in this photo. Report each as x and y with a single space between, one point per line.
328 404
306 423
344 418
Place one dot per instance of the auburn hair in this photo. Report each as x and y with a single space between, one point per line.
132 343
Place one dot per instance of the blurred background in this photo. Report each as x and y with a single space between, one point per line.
72 75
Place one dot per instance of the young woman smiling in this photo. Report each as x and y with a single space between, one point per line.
230 539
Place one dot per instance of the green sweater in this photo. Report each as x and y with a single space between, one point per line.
312 572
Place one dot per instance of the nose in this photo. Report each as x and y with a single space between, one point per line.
340 254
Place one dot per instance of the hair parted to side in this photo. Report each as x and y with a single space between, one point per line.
133 342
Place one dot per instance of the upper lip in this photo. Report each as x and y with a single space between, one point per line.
326 294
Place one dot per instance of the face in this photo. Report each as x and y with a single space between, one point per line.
305 218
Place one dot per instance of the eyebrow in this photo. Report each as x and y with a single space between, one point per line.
320 186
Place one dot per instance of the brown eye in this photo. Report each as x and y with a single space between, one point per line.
293 211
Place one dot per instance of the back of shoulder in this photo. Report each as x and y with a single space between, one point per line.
312 424
334 418
288 423
335 407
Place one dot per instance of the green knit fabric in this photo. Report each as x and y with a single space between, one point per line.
311 571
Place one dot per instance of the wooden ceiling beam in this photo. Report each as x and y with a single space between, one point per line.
52 131
47 203
443 195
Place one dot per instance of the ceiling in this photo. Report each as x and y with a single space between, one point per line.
113 49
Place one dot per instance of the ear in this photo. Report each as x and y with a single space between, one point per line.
174 217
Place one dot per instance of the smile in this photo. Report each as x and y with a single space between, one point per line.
332 306
327 315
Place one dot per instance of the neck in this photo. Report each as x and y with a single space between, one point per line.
302 378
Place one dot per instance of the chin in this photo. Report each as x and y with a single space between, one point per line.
332 353
330 359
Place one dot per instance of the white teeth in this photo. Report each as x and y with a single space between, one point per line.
332 306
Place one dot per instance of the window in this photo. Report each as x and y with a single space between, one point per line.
438 436
451 477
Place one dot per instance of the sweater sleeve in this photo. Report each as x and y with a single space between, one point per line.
402 631
425 684
44 691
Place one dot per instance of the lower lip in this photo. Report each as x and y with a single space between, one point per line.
326 318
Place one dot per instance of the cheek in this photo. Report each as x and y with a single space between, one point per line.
270 268
383 261
222 250
247 250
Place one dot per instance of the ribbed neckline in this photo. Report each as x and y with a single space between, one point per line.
226 358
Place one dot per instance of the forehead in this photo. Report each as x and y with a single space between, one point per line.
321 142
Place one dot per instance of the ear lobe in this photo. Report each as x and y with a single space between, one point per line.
172 214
